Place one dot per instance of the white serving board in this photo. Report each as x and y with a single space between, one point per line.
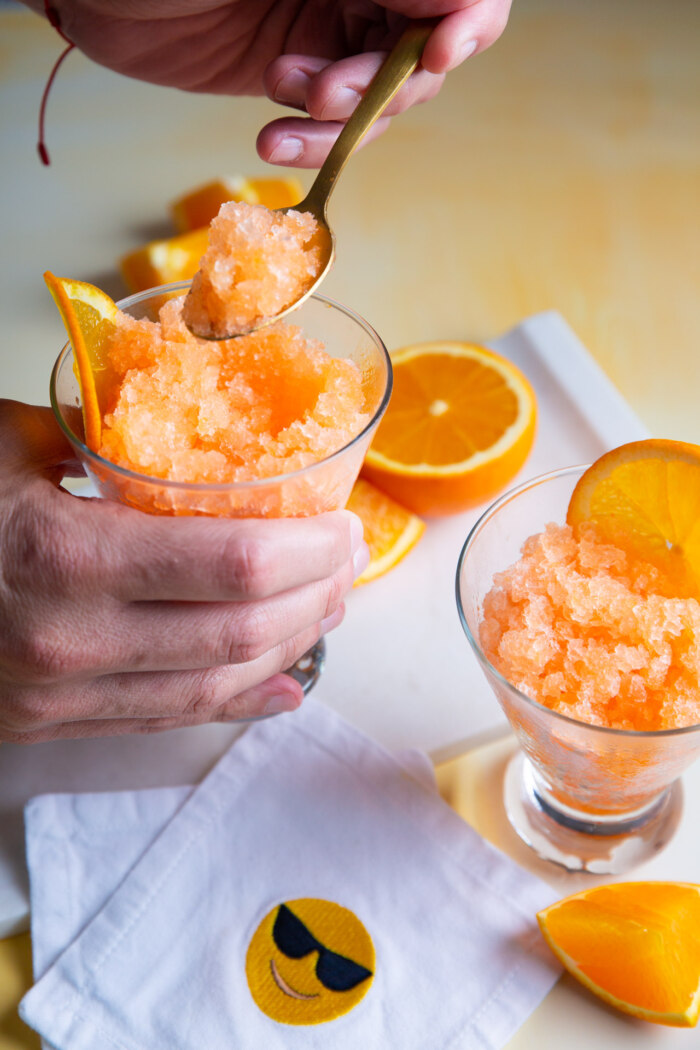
399 667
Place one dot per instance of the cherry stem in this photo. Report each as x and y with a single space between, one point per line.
55 20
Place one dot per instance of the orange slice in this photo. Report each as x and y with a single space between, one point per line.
89 316
645 497
634 944
199 206
391 531
164 261
459 426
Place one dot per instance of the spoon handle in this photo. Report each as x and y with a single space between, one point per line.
397 68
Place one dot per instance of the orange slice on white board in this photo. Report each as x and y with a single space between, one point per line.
391 530
459 426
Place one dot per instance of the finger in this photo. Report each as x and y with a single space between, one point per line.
305 143
33 442
278 694
464 33
331 91
178 695
180 636
150 558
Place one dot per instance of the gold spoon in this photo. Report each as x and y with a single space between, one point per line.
395 70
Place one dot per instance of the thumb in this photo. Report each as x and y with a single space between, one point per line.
32 442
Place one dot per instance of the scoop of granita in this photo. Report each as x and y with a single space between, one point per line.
187 409
592 632
259 262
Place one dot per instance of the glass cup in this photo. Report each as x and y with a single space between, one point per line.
586 797
321 486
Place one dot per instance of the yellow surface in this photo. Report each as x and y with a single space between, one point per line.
558 170
15 980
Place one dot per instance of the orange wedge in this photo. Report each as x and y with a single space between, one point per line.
459 426
160 262
199 206
89 316
391 531
645 497
634 944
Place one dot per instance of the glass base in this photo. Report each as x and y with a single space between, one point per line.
601 845
307 670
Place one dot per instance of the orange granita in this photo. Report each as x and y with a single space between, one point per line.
257 264
187 409
589 631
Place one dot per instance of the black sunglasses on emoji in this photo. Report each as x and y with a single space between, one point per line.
335 972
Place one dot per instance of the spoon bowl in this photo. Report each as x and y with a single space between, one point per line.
392 74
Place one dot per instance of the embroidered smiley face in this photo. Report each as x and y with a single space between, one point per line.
309 961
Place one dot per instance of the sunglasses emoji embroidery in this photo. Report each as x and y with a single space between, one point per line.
309 961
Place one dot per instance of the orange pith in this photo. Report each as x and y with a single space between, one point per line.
645 498
391 531
636 945
459 426
164 261
199 206
89 316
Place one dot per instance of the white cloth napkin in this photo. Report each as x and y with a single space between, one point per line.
144 903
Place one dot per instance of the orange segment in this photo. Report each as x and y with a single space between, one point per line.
199 206
89 316
164 261
634 944
391 531
459 426
645 498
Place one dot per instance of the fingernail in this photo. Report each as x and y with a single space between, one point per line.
277 704
342 103
357 532
292 87
360 560
333 620
468 48
287 150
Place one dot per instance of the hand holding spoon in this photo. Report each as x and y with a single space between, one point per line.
396 69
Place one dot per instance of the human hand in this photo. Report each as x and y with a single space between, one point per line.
311 55
114 621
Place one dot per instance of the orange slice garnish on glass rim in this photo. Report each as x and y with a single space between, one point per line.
459 426
636 945
89 316
644 497
391 530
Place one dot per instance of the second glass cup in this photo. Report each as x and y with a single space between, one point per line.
587 797
321 486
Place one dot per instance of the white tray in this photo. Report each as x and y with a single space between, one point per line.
399 667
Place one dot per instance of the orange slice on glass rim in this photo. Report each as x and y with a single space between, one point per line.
391 530
459 426
636 945
644 497
199 206
89 316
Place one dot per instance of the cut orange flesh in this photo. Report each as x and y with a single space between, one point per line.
460 424
634 944
199 206
164 261
391 531
645 498
89 316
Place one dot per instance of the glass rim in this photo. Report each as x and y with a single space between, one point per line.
224 486
475 530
